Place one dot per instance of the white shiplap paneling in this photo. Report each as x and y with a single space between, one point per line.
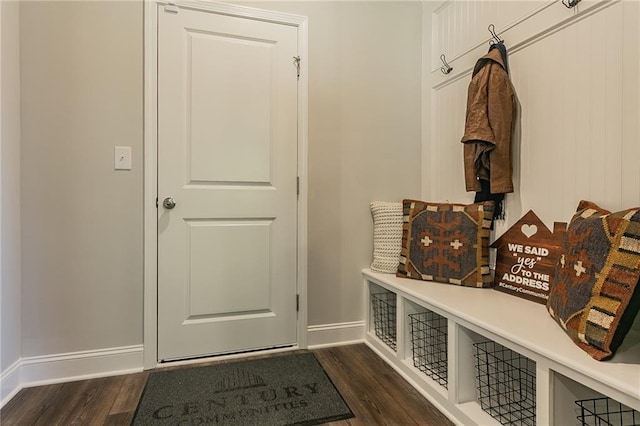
460 26
577 136
450 108
570 87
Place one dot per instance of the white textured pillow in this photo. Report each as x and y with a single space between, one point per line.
387 236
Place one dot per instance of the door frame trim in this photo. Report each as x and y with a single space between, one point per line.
150 268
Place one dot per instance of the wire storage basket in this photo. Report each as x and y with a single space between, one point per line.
384 317
429 344
606 412
506 384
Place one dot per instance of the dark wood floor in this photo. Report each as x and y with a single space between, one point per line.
376 394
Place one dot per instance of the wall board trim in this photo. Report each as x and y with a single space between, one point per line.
67 367
335 334
10 382
83 365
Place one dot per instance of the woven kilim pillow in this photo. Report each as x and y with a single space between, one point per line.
595 296
446 243
387 236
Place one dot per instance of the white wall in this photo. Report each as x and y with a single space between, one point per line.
81 220
364 136
10 324
575 73
81 71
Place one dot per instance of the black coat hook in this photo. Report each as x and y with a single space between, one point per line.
446 68
495 39
571 3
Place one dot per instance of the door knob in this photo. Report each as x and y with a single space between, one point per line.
168 203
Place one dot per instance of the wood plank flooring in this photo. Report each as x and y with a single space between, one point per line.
376 394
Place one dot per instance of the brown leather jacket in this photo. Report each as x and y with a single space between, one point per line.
491 110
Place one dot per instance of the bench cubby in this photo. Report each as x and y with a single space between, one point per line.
429 349
515 336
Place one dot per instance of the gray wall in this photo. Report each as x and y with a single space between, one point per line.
10 325
364 136
82 222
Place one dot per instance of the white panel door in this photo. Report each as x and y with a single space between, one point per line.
227 156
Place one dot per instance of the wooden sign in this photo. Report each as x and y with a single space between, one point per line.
526 258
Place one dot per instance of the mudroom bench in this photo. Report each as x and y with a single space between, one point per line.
485 357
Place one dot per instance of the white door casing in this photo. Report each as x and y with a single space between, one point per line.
229 151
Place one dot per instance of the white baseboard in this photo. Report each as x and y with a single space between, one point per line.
48 369
9 383
335 334
67 367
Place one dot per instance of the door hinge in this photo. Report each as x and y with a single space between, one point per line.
296 62
297 185
171 7
297 303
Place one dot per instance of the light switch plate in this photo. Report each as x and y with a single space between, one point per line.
122 158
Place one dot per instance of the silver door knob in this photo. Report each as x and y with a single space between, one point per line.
169 203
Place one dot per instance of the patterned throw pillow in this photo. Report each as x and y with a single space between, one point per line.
594 296
446 243
387 236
